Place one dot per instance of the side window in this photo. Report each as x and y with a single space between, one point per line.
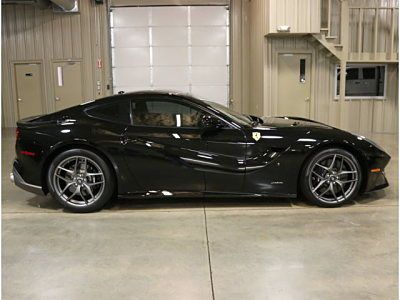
164 114
114 112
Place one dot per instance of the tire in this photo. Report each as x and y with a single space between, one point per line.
331 178
80 180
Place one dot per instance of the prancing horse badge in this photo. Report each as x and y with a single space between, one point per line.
256 135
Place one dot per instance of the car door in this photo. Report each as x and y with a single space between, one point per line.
226 148
163 144
266 171
169 148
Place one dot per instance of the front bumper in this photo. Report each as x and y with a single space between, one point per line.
376 181
17 179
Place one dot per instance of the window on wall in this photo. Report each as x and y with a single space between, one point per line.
363 81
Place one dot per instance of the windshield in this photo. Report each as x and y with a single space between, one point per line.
235 116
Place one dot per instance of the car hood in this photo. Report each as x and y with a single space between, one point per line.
290 122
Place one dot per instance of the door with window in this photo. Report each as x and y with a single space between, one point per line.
294 85
167 148
68 84
29 89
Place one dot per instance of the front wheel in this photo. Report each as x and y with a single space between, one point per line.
80 180
331 177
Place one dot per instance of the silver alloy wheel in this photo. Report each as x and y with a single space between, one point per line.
78 180
333 178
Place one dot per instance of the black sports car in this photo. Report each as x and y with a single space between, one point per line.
168 144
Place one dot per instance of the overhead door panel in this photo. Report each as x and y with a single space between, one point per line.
183 48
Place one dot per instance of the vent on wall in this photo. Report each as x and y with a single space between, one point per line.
18 1
64 6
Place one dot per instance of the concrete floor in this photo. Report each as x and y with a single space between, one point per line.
191 249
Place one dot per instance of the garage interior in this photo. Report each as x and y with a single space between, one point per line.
264 57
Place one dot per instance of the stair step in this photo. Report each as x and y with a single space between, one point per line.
331 37
338 45
324 29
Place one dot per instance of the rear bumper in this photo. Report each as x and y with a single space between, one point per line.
17 179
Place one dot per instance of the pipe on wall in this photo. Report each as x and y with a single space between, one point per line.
66 5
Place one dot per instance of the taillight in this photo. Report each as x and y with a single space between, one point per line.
17 133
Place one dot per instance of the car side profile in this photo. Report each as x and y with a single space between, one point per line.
162 144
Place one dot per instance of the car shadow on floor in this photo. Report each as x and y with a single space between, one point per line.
48 203
45 202
214 202
377 197
167 203
188 202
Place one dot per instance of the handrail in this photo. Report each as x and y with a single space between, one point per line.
331 28
377 9
373 7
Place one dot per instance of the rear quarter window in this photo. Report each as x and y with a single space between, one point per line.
113 112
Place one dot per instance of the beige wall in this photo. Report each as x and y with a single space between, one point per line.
31 34
257 23
239 75
359 115
302 16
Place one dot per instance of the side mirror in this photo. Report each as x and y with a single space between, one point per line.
210 122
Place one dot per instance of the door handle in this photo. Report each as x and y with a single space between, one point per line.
19 99
125 140
307 99
57 98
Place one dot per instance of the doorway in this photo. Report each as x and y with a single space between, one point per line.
28 78
67 84
294 84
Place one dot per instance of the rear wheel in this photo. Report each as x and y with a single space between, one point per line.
80 180
331 177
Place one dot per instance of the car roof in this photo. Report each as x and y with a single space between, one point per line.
164 93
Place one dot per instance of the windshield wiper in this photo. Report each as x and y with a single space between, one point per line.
255 120
254 123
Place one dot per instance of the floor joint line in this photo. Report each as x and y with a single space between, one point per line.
208 253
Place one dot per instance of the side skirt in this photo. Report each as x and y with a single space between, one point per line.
181 194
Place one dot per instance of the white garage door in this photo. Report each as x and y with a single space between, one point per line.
183 48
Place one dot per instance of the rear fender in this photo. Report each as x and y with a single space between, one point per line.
77 144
